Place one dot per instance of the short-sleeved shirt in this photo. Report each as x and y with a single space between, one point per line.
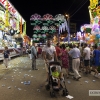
75 53
49 50
87 51
6 54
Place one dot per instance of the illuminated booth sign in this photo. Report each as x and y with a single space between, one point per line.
45 25
10 7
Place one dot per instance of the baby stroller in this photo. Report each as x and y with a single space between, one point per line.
52 83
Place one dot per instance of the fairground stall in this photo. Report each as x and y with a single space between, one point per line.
91 31
12 28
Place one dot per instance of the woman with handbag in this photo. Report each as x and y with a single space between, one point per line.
64 58
6 54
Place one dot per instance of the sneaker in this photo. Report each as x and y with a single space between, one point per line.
78 78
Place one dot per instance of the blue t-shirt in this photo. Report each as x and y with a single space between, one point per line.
6 54
96 57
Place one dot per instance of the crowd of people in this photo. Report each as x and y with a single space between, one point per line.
73 58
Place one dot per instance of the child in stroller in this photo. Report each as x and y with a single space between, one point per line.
56 77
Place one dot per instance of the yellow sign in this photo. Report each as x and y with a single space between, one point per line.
93 4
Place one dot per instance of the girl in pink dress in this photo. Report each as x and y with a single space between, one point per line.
64 58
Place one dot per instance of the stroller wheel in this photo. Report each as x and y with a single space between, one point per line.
65 92
52 94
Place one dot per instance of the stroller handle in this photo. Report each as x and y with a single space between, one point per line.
54 63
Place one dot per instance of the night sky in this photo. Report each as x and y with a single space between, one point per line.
28 7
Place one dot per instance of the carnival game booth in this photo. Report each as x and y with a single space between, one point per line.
73 40
11 24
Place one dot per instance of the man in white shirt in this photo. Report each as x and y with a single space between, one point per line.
52 52
86 54
75 54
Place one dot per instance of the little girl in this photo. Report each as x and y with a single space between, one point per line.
6 56
57 75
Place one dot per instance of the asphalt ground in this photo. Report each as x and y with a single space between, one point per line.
13 87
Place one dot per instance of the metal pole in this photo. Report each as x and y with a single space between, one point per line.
69 29
58 38
58 34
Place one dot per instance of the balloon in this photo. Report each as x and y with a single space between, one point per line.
90 36
97 36
88 42
86 35
93 33
96 30
91 40
87 38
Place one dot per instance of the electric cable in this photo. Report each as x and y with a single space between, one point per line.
78 9
70 6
